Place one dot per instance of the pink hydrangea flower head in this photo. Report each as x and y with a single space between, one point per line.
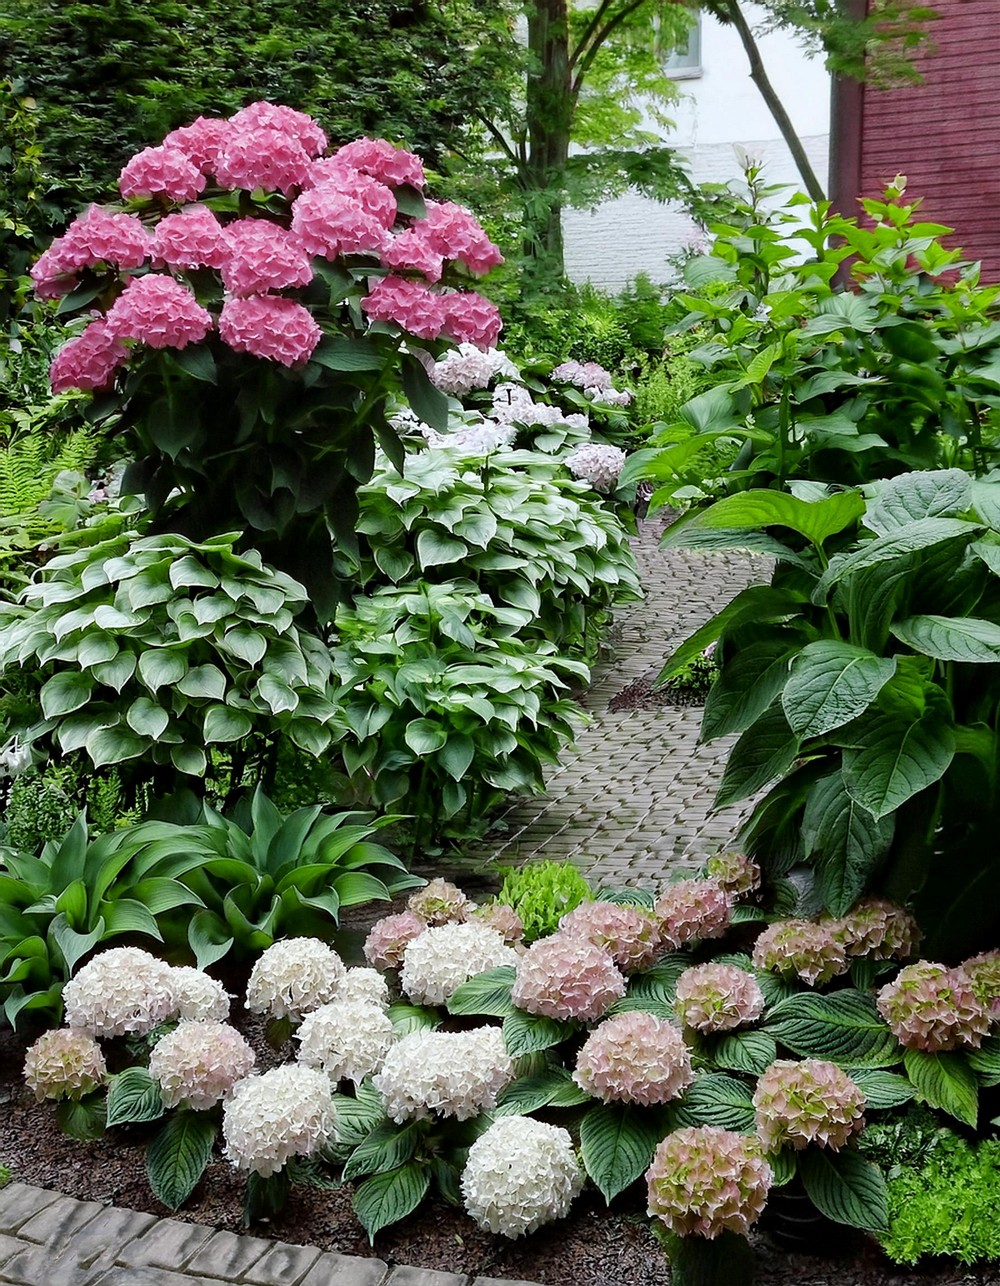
158 311
271 327
807 1102
64 1064
718 997
389 937
634 1058
286 120
736 873
161 172
54 272
630 936
800 948
411 250
690 909
878 929
705 1181
200 1063
503 918
373 197
258 157
440 902
471 319
984 973
379 158
93 238
202 141
190 238
583 375
263 256
89 361
597 463
931 1008
566 977
408 304
455 233
330 223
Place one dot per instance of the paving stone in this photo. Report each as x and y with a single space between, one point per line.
111 1230
20 1202
283 1265
351 1270
228 1255
169 1243
41 1266
424 1277
60 1221
146 1275
500 1281
10 1246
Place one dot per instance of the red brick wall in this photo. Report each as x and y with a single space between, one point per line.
944 134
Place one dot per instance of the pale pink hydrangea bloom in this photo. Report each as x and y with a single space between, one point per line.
931 1008
473 439
811 1101
89 361
118 992
161 171
410 305
190 238
468 367
197 996
293 976
373 197
347 1039
520 1175
634 1057
690 909
199 1063
202 141
800 948
438 961
448 1073
717 997
583 375
566 977
285 1113
389 937
270 326
440 902
455 233
160 312
735 872
379 158
330 223
705 1181
471 319
513 404
258 157
503 918
64 1064
598 464
263 256
411 250
286 120
984 973
876 928
629 935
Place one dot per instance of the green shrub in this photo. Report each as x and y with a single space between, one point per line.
542 893
41 805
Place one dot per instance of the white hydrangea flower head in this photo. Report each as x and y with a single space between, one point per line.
457 1074
122 991
442 958
67 1063
294 976
364 984
585 375
520 1174
199 1062
484 438
198 997
598 464
347 1039
468 368
285 1113
513 404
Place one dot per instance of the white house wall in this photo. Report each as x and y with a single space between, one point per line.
719 108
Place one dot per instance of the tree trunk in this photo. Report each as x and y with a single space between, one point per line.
549 113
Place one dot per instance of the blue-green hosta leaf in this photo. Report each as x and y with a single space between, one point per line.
946 1081
96 649
64 693
424 736
203 681
160 667
951 638
208 937
113 745
844 1028
116 672
189 759
245 643
223 723
277 694
147 718
188 571
846 1188
435 548
830 684
894 759
931 493
617 1142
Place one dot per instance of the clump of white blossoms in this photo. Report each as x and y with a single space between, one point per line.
469 367
457 1074
198 997
198 1063
347 1039
442 958
364 984
483 438
512 403
520 1174
288 1112
294 976
598 464
64 1064
122 991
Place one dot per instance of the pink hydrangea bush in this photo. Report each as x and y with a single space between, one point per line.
811 1101
693 909
983 971
705 1181
634 1057
717 997
89 361
566 977
440 902
802 949
931 1008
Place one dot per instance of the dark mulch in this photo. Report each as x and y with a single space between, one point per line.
642 694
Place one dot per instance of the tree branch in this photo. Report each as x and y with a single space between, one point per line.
597 41
589 30
497 134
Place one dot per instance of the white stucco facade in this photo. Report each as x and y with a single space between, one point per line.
719 107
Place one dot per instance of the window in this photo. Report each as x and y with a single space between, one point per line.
684 62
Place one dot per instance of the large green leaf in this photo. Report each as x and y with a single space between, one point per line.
893 759
617 1142
752 1052
951 638
384 1199
923 534
830 684
946 1081
931 493
435 548
388 1146
113 745
159 667
714 1099
209 938
816 520
554 1088
147 718
766 750
64 693
178 1156
754 605
525 1033
881 1089
133 1096
846 840
748 685
844 1028
486 993
222 723
846 1188
424 736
